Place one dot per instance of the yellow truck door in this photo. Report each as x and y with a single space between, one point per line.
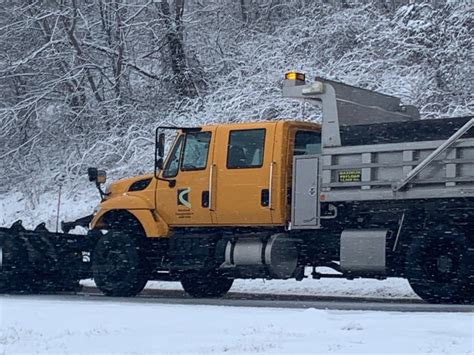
187 202
241 175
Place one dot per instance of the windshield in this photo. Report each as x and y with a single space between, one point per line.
196 151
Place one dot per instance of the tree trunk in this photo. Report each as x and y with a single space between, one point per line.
184 83
245 10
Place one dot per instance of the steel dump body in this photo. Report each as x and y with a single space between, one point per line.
424 160
374 149
369 172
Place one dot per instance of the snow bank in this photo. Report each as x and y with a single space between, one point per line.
31 325
390 288
44 207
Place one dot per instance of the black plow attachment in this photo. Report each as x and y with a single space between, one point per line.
41 261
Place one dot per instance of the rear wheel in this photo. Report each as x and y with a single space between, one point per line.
201 284
439 268
118 265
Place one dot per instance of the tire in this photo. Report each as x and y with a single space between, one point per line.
14 263
201 284
439 268
118 265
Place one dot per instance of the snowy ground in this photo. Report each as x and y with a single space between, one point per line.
31 326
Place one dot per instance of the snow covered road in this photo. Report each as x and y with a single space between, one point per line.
241 299
33 324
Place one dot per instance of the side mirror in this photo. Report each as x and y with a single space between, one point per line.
161 145
159 151
159 164
101 176
96 175
92 174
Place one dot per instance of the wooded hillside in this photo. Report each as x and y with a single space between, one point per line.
84 83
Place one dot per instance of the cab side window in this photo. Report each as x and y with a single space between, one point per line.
172 165
307 143
245 149
196 150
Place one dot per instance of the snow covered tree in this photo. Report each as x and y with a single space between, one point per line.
85 82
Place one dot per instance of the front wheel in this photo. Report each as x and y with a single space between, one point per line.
439 268
201 284
118 265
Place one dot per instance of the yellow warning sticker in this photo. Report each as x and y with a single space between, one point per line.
349 176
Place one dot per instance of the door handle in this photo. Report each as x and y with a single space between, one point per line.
265 197
205 199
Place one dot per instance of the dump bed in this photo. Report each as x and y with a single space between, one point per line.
410 170
373 149
375 171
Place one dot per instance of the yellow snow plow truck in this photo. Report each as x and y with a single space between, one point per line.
371 191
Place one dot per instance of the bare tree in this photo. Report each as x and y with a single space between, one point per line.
185 83
84 82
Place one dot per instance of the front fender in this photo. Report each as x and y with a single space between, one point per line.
126 202
136 206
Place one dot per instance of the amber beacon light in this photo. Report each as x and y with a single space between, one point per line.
293 75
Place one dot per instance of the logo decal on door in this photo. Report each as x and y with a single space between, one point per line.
183 197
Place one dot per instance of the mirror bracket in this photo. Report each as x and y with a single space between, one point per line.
99 177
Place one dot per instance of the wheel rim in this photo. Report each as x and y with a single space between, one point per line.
115 264
117 260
